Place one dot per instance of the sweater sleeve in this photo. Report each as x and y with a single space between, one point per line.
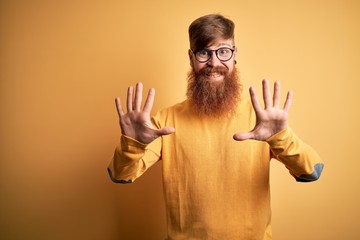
132 158
301 159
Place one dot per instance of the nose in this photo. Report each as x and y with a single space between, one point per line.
213 61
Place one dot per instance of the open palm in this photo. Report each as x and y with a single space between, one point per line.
272 118
136 123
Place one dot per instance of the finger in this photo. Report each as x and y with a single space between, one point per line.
276 97
288 101
266 94
118 107
138 96
149 100
129 100
254 100
243 136
165 131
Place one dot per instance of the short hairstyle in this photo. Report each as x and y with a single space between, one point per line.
207 28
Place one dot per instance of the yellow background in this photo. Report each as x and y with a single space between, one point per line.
63 62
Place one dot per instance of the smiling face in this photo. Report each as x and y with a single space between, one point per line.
213 85
214 69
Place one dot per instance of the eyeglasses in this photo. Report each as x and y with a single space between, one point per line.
223 54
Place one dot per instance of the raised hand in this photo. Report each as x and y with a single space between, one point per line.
136 123
270 120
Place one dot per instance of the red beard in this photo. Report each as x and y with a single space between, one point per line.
214 99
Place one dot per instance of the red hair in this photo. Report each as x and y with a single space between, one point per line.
206 29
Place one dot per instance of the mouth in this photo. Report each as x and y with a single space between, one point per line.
215 76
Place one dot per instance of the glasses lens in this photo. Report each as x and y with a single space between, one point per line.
224 54
203 55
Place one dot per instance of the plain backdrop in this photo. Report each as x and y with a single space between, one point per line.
62 63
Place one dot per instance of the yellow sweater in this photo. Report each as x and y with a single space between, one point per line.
214 187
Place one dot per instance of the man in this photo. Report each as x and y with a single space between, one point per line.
215 172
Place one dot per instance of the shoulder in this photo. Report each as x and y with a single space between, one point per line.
176 108
167 115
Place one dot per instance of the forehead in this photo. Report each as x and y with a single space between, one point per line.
220 42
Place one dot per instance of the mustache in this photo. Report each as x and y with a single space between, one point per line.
209 70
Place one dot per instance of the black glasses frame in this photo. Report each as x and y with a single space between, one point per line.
210 52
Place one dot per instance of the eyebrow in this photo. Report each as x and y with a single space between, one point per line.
224 44
221 45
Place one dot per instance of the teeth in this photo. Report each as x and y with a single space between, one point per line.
214 74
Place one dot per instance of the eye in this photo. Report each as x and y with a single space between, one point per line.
203 53
224 51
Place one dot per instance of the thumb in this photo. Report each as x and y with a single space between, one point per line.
243 136
165 131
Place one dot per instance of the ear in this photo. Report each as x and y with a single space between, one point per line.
235 53
191 58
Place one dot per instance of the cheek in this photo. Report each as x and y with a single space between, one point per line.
198 66
230 66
